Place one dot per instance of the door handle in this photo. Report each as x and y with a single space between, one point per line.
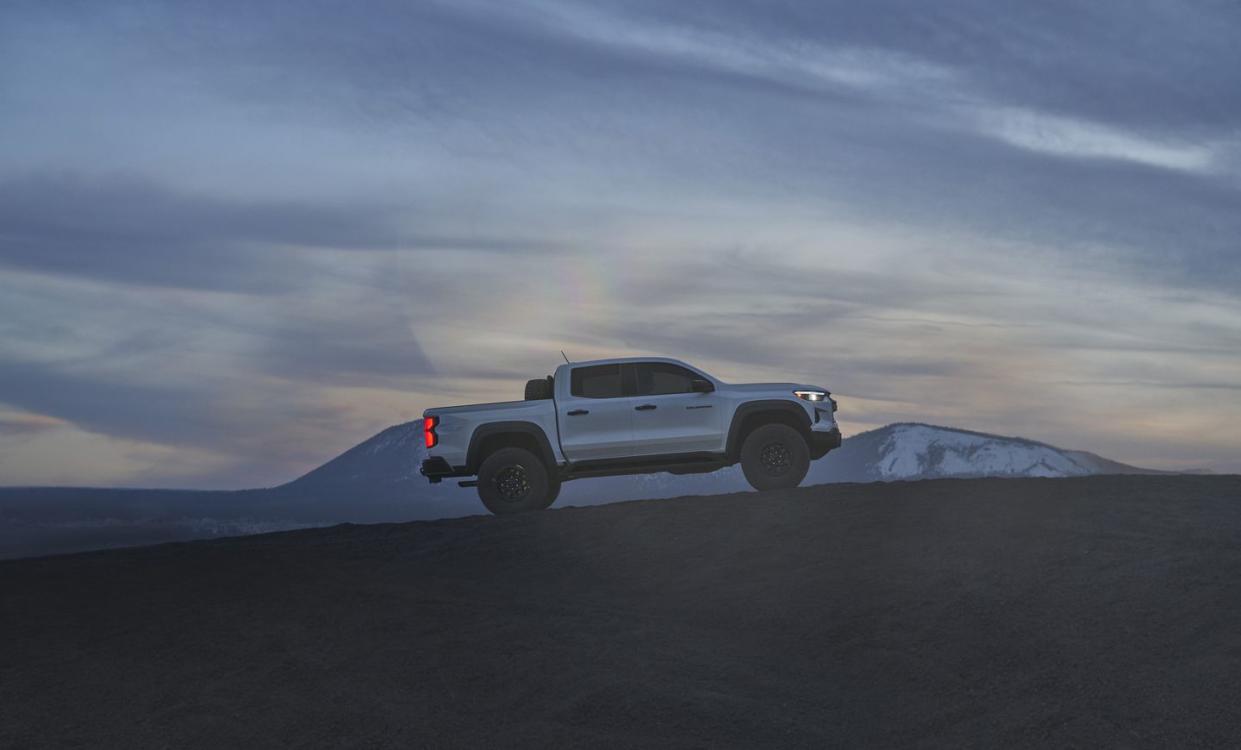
645 407
578 412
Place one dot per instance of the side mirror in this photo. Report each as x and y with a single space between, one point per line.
701 386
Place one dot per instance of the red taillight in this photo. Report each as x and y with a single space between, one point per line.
428 430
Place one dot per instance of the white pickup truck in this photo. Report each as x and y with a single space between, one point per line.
636 415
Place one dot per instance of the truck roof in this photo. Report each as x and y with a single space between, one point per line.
622 360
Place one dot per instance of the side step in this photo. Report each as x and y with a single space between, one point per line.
682 463
468 483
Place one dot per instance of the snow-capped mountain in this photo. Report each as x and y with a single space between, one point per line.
905 451
389 459
378 480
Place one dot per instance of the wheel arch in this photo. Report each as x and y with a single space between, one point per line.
754 414
491 437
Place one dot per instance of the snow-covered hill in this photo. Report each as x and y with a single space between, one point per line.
921 451
389 459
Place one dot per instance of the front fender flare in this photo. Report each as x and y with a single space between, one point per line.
750 408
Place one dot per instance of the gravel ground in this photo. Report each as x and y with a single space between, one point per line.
1103 611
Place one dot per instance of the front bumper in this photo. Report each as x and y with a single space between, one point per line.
822 442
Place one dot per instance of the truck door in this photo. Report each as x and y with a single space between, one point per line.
669 416
595 416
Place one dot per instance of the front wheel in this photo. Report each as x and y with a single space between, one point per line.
513 480
775 457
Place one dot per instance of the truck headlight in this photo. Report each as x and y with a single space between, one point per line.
811 395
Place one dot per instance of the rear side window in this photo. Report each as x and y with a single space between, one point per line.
660 378
600 381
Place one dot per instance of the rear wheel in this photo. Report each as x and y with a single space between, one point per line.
775 457
513 480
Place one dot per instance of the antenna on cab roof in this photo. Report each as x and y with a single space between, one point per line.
566 359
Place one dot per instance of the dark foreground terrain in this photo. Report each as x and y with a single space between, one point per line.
1102 611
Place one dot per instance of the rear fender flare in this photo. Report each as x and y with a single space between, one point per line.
491 429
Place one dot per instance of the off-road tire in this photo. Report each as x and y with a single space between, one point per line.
775 457
514 480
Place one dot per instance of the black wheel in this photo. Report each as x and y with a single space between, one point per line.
775 457
513 480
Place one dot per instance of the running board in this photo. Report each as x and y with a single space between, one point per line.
685 463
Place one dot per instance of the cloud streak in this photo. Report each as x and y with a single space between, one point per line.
1072 138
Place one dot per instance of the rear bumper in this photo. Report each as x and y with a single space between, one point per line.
822 442
436 469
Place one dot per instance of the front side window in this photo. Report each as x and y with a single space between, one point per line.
662 378
600 381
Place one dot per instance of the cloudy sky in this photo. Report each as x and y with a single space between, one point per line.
238 238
